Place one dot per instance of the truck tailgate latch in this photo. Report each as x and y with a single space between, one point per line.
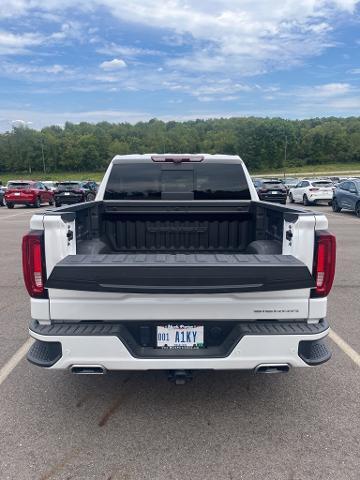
289 234
69 235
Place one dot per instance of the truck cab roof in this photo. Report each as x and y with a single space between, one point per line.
176 158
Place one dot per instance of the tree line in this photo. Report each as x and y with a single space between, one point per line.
263 143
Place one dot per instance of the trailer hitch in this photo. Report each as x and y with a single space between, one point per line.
179 377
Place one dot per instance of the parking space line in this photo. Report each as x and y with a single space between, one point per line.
14 215
15 360
20 214
345 347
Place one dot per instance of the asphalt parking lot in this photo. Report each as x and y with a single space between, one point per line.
222 425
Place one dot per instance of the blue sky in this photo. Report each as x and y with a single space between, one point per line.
125 60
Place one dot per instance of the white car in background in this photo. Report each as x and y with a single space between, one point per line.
50 185
311 191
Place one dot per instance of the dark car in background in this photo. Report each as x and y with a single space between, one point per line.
2 196
71 192
271 190
347 195
27 192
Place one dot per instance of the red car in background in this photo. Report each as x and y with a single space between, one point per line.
27 192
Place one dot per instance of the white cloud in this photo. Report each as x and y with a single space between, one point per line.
115 64
127 51
325 91
248 37
14 44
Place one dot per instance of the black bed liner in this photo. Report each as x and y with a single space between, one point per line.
180 273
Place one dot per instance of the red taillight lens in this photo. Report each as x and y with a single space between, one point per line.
313 189
324 264
33 264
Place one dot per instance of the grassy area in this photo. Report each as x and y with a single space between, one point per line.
328 169
97 176
306 170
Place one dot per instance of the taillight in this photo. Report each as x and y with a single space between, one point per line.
33 264
313 189
324 263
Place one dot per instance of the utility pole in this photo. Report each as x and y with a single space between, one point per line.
42 153
285 153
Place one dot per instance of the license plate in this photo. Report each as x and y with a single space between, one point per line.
67 193
17 194
274 192
180 336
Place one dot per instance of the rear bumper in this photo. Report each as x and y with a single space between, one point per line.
245 346
20 201
320 197
69 200
278 198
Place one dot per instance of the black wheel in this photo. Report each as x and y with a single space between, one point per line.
37 203
51 203
306 201
57 204
291 198
10 205
335 206
90 197
357 209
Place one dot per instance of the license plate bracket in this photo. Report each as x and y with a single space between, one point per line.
177 336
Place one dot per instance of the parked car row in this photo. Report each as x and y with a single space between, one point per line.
340 193
35 193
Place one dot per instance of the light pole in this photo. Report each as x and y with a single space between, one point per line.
42 152
285 153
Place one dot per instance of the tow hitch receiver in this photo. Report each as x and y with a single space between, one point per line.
180 377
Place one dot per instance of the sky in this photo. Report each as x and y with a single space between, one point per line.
130 60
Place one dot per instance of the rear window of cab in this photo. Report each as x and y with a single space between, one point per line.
200 181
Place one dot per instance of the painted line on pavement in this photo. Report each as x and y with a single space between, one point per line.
345 347
20 214
15 360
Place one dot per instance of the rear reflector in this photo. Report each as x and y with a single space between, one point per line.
324 263
33 264
177 158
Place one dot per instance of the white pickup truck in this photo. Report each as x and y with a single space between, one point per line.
178 266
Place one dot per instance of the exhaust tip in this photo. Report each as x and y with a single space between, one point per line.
272 368
87 369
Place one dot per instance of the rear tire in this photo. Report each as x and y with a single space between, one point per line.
37 203
10 205
291 198
51 203
57 204
306 201
357 209
335 206
90 197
